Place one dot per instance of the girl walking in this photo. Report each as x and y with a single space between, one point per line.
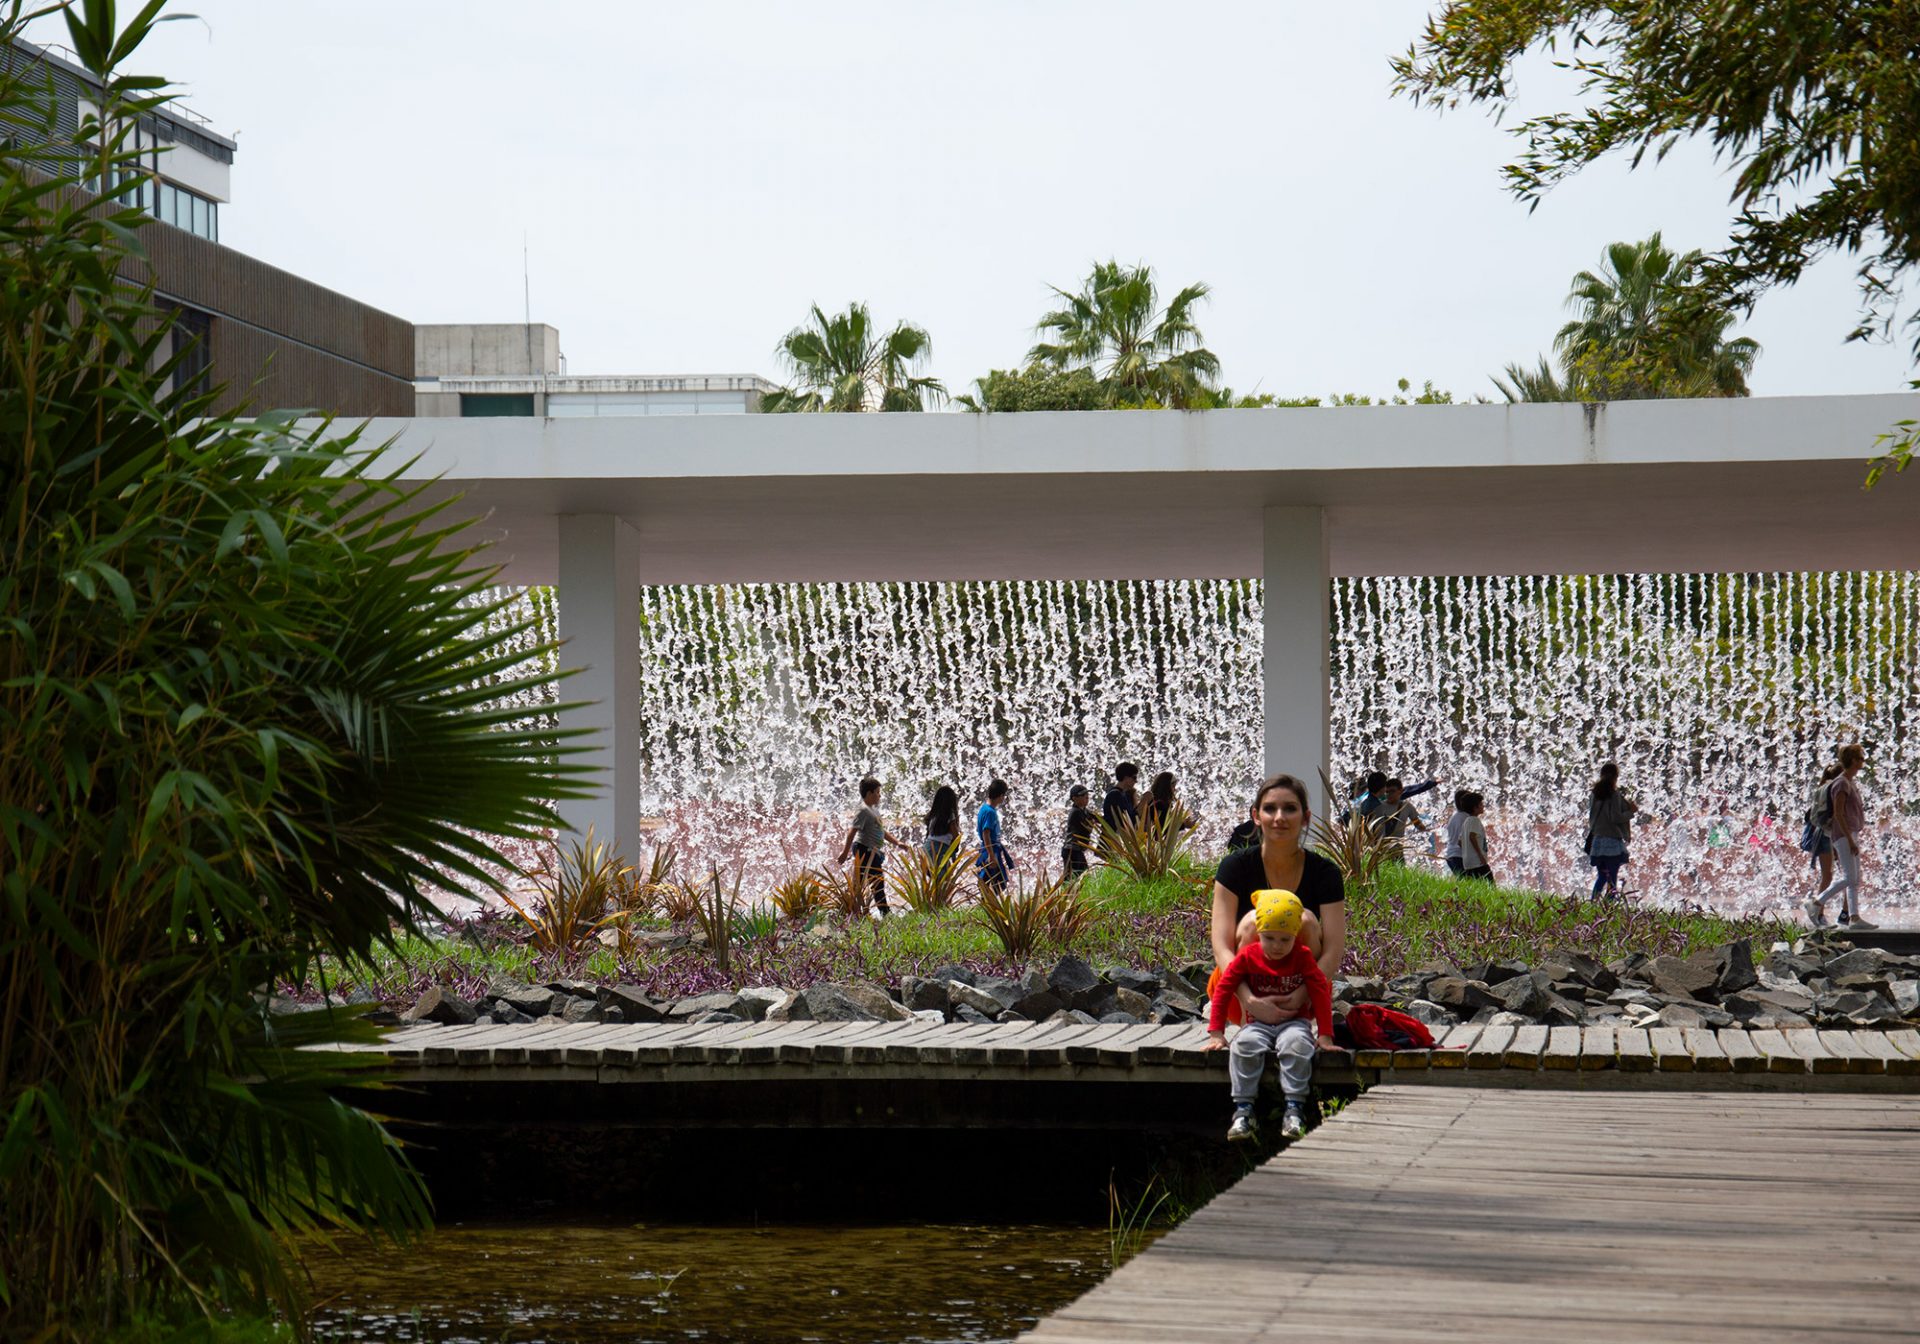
1846 824
1610 816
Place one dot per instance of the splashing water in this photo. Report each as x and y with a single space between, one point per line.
1719 695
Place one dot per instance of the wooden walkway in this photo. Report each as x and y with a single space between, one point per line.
1566 1057
1498 1215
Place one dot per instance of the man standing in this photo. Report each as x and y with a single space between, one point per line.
1123 799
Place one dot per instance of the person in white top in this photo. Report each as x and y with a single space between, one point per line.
1474 861
1455 825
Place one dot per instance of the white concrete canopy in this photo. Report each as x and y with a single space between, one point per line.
1293 496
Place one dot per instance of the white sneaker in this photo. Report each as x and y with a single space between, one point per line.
1815 912
1860 925
1242 1129
1294 1125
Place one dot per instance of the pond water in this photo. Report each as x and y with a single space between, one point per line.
570 1284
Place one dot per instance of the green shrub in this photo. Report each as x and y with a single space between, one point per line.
249 708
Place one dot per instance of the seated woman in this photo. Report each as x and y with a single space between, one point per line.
1281 862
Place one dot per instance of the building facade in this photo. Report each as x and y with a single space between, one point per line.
270 339
472 370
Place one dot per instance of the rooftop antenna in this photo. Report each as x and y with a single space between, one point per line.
526 294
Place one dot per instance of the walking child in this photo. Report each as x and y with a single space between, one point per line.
867 842
1474 861
1082 821
1278 963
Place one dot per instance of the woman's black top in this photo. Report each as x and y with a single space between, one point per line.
1243 873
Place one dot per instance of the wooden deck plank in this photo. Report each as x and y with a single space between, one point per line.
1633 1047
1781 1056
1906 1041
1524 1051
1740 1051
1670 1050
1563 1048
1598 1047
1704 1046
1452 1048
1490 1050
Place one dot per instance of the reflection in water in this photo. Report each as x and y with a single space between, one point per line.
536 1284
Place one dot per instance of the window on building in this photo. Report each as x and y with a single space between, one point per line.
191 341
496 403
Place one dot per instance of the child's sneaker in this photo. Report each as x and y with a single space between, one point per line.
1816 913
1294 1125
1242 1129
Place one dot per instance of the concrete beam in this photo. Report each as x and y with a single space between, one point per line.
599 597
1299 694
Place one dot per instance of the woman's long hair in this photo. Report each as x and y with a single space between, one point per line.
1609 776
943 815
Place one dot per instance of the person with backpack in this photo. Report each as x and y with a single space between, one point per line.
1814 839
1276 963
1846 824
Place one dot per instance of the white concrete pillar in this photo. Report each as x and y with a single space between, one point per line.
1298 695
600 624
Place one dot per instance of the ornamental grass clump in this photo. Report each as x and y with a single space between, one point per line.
250 710
928 882
798 897
1146 851
583 889
1022 917
1353 842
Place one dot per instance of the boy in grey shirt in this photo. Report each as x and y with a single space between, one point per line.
867 843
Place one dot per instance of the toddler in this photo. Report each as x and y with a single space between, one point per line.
1278 963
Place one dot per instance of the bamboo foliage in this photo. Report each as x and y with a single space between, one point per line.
249 709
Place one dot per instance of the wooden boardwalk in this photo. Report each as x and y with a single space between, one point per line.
1422 1213
1564 1057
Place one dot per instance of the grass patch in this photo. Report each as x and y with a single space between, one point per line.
1412 917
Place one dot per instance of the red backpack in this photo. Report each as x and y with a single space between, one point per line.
1375 1026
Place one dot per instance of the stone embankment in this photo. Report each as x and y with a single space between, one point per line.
1808 984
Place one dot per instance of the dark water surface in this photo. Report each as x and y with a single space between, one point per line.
545 1284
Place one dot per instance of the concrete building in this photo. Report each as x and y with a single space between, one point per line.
1292 496
473 370
272 339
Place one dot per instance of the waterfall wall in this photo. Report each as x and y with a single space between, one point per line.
1719 695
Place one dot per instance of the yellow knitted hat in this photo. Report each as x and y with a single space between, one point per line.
1277 911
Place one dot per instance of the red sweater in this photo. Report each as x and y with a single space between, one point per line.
1265 979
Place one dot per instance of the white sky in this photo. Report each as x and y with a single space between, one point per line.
690 177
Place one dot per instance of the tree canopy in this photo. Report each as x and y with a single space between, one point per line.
843 363
1814 104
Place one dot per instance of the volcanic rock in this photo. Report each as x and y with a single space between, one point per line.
719 1001
1071 977
633 1003
1681 979
442 1006
920 994
1461 995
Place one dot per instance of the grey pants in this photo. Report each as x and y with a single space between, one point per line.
1291 1042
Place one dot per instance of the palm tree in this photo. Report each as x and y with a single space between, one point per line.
1541 384
1642 324
1642 329
838 364
1143 355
